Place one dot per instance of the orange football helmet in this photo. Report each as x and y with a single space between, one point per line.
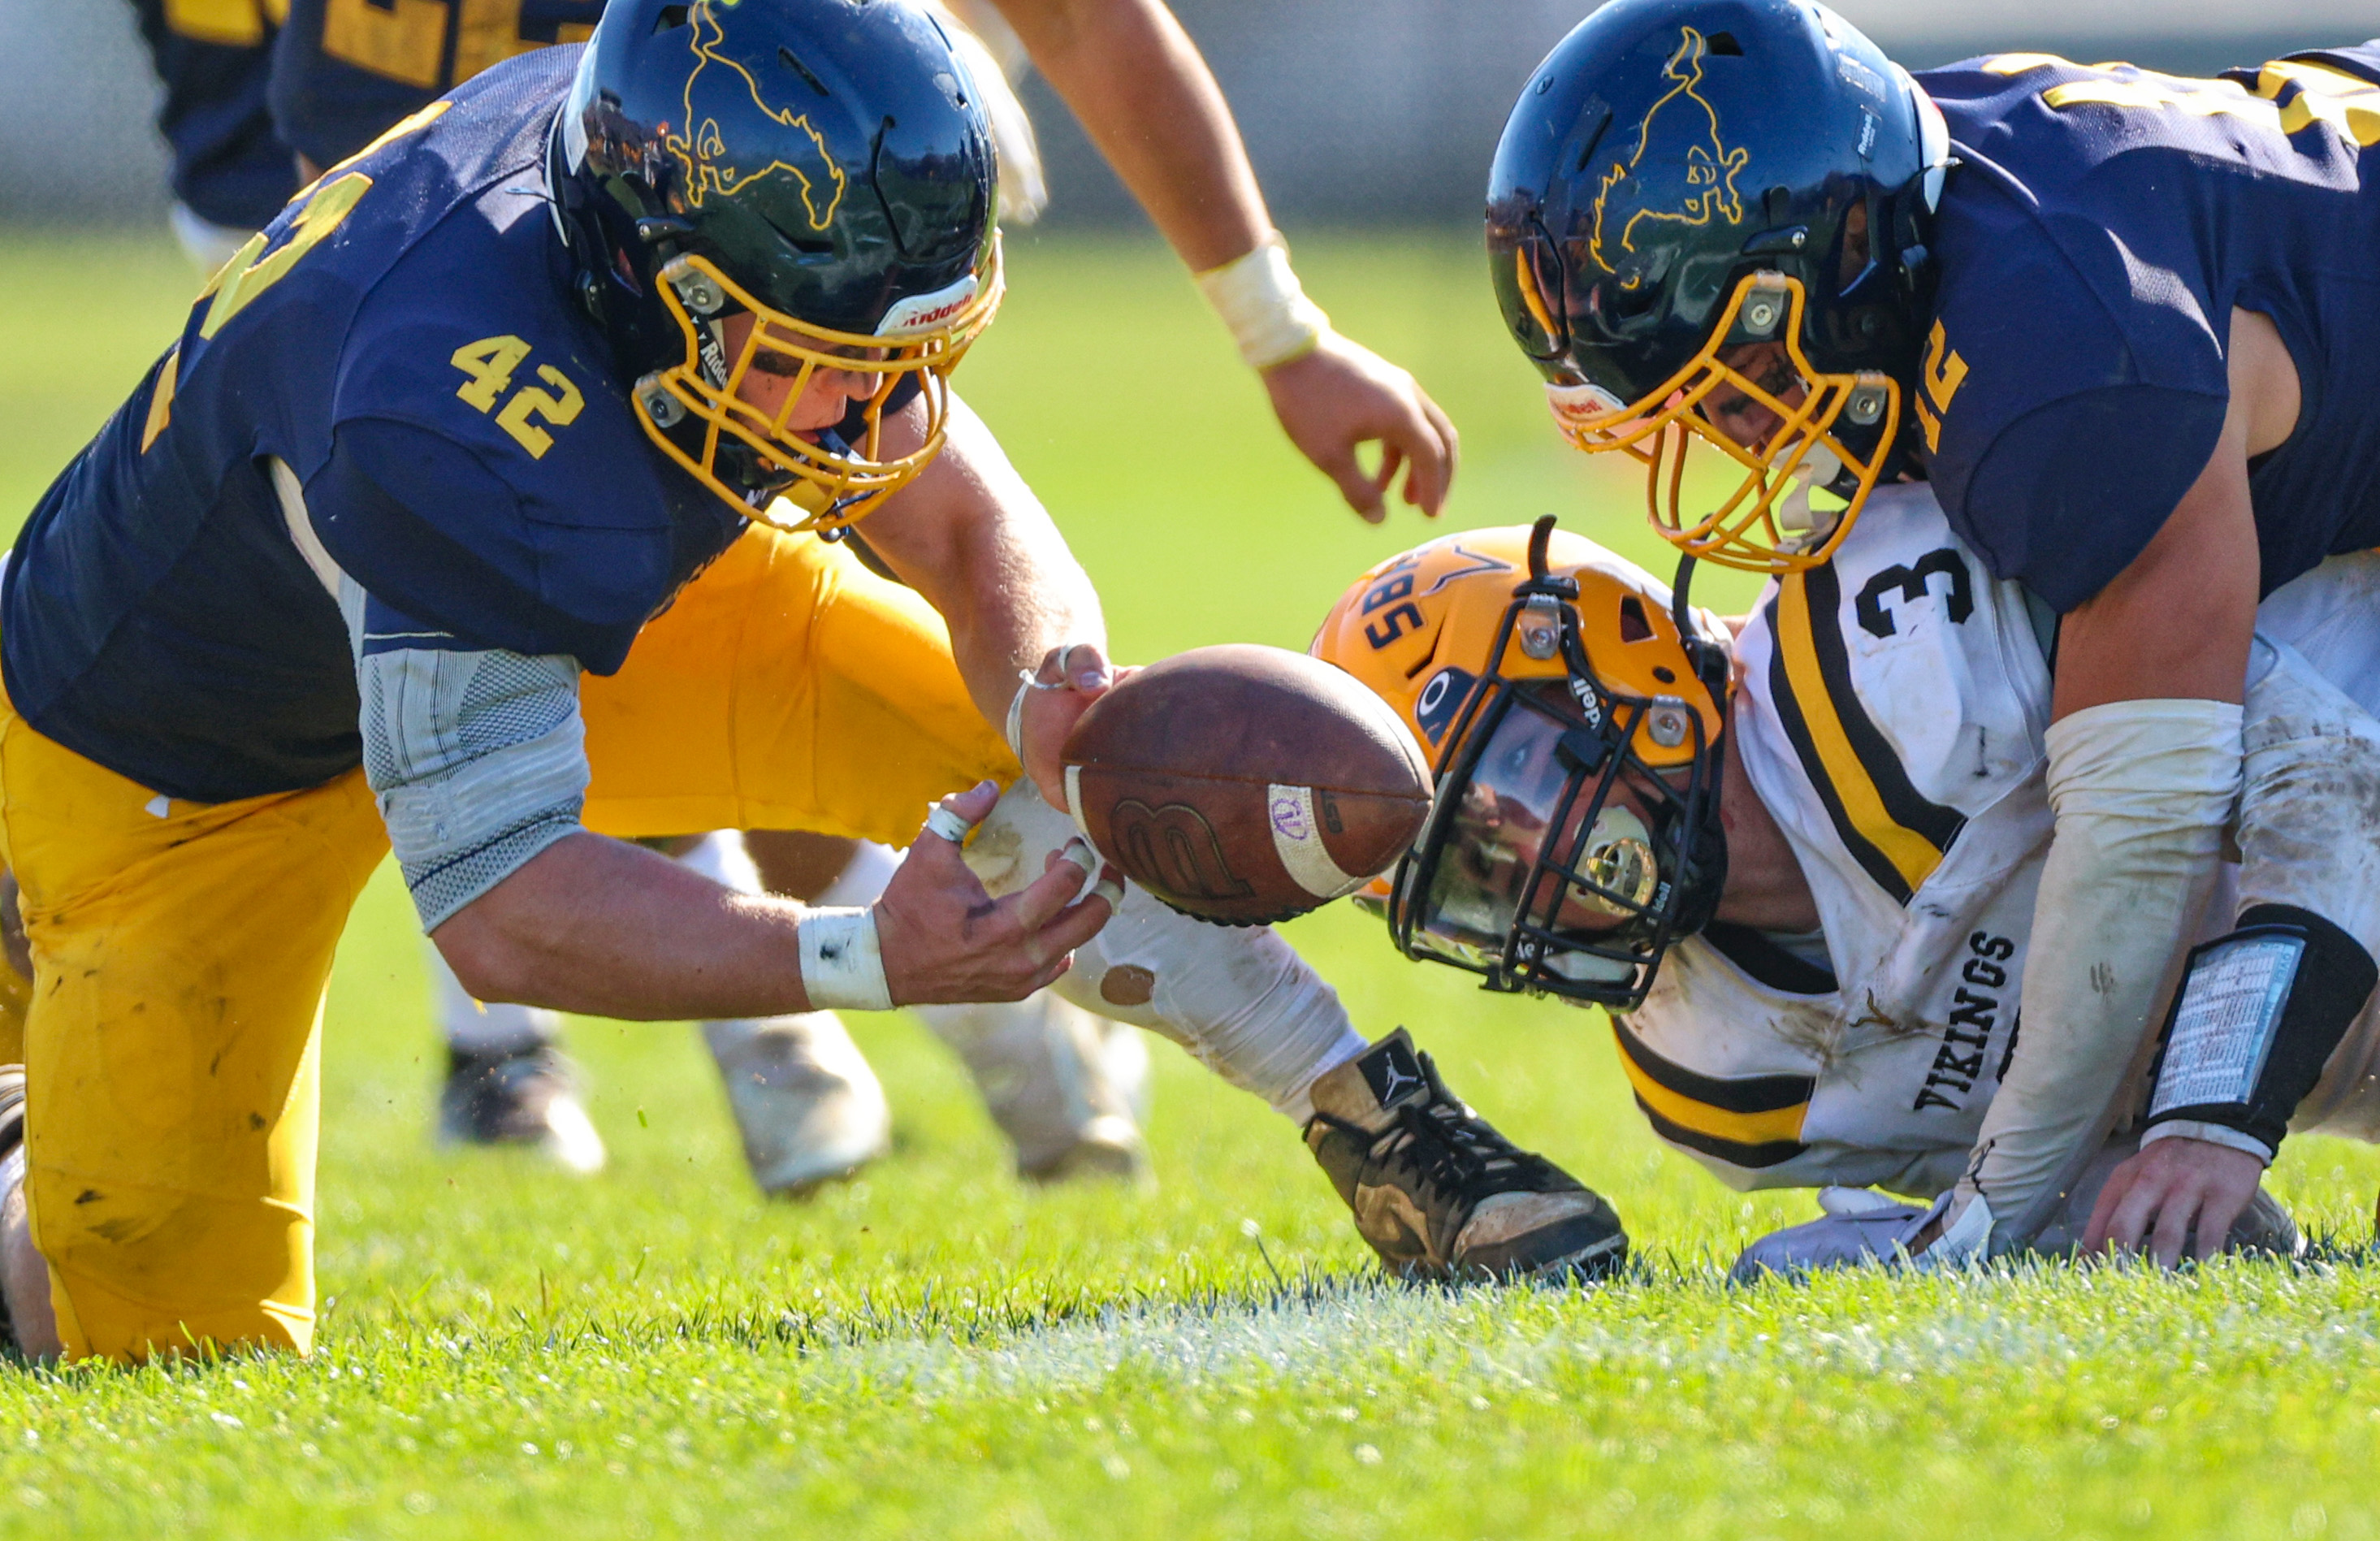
1576 721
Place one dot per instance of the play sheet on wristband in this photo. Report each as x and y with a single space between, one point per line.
2231 1004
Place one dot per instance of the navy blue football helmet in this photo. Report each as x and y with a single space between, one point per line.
1707 225
825 166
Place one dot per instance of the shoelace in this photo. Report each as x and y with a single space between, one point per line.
1444 1145
1451 1148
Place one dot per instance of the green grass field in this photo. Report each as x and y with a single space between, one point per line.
936 1350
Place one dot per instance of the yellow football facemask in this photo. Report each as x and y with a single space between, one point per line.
1790 509
695 411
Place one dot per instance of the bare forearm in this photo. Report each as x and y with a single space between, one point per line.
1146 99
971 538
611 929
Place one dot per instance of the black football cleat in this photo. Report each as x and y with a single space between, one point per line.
527 1098
1437 1192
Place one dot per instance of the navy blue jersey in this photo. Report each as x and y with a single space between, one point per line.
214 62
403 340
2100 228
343 70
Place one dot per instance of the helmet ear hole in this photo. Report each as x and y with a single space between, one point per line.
1858 250
1633 627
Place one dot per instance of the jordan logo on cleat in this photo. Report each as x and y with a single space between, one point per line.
1391 1073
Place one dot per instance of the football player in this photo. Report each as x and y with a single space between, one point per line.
2114 317
467 515
808 1107
1796 857
343 70
1065 1086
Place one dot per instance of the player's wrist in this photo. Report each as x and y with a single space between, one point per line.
842 960
2208 1133
1015 730
1264 307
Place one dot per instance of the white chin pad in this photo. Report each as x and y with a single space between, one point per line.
1802 526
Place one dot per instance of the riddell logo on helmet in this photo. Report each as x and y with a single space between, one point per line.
921 313
1681 170
727 117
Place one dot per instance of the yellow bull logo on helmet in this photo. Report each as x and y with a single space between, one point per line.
1683 171
727 111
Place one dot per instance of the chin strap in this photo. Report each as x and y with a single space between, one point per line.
1709 659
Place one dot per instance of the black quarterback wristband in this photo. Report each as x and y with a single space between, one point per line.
2258 1013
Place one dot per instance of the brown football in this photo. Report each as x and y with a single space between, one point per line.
1245 784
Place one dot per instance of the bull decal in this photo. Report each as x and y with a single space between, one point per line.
725 105
1680 135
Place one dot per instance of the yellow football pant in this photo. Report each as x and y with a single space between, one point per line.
180 957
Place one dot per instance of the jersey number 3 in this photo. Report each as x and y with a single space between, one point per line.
489 362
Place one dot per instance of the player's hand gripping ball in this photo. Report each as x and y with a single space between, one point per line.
1243 784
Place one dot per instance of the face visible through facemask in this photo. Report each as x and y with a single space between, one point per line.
1513 812
825 397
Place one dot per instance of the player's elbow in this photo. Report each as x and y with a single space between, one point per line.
489 963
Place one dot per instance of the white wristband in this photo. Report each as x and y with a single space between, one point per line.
841 964
2212 1134
1261 303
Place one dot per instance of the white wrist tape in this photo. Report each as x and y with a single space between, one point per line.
1261 303
1015 729
843 965
1966 1234
2142 791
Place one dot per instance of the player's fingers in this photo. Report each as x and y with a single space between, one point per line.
1062 879
2215 1218
1384 476
2172 1231
2129 1230
1079 923
949 822
1453 442
2103 1212
1337 459
1085 666
1430 455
